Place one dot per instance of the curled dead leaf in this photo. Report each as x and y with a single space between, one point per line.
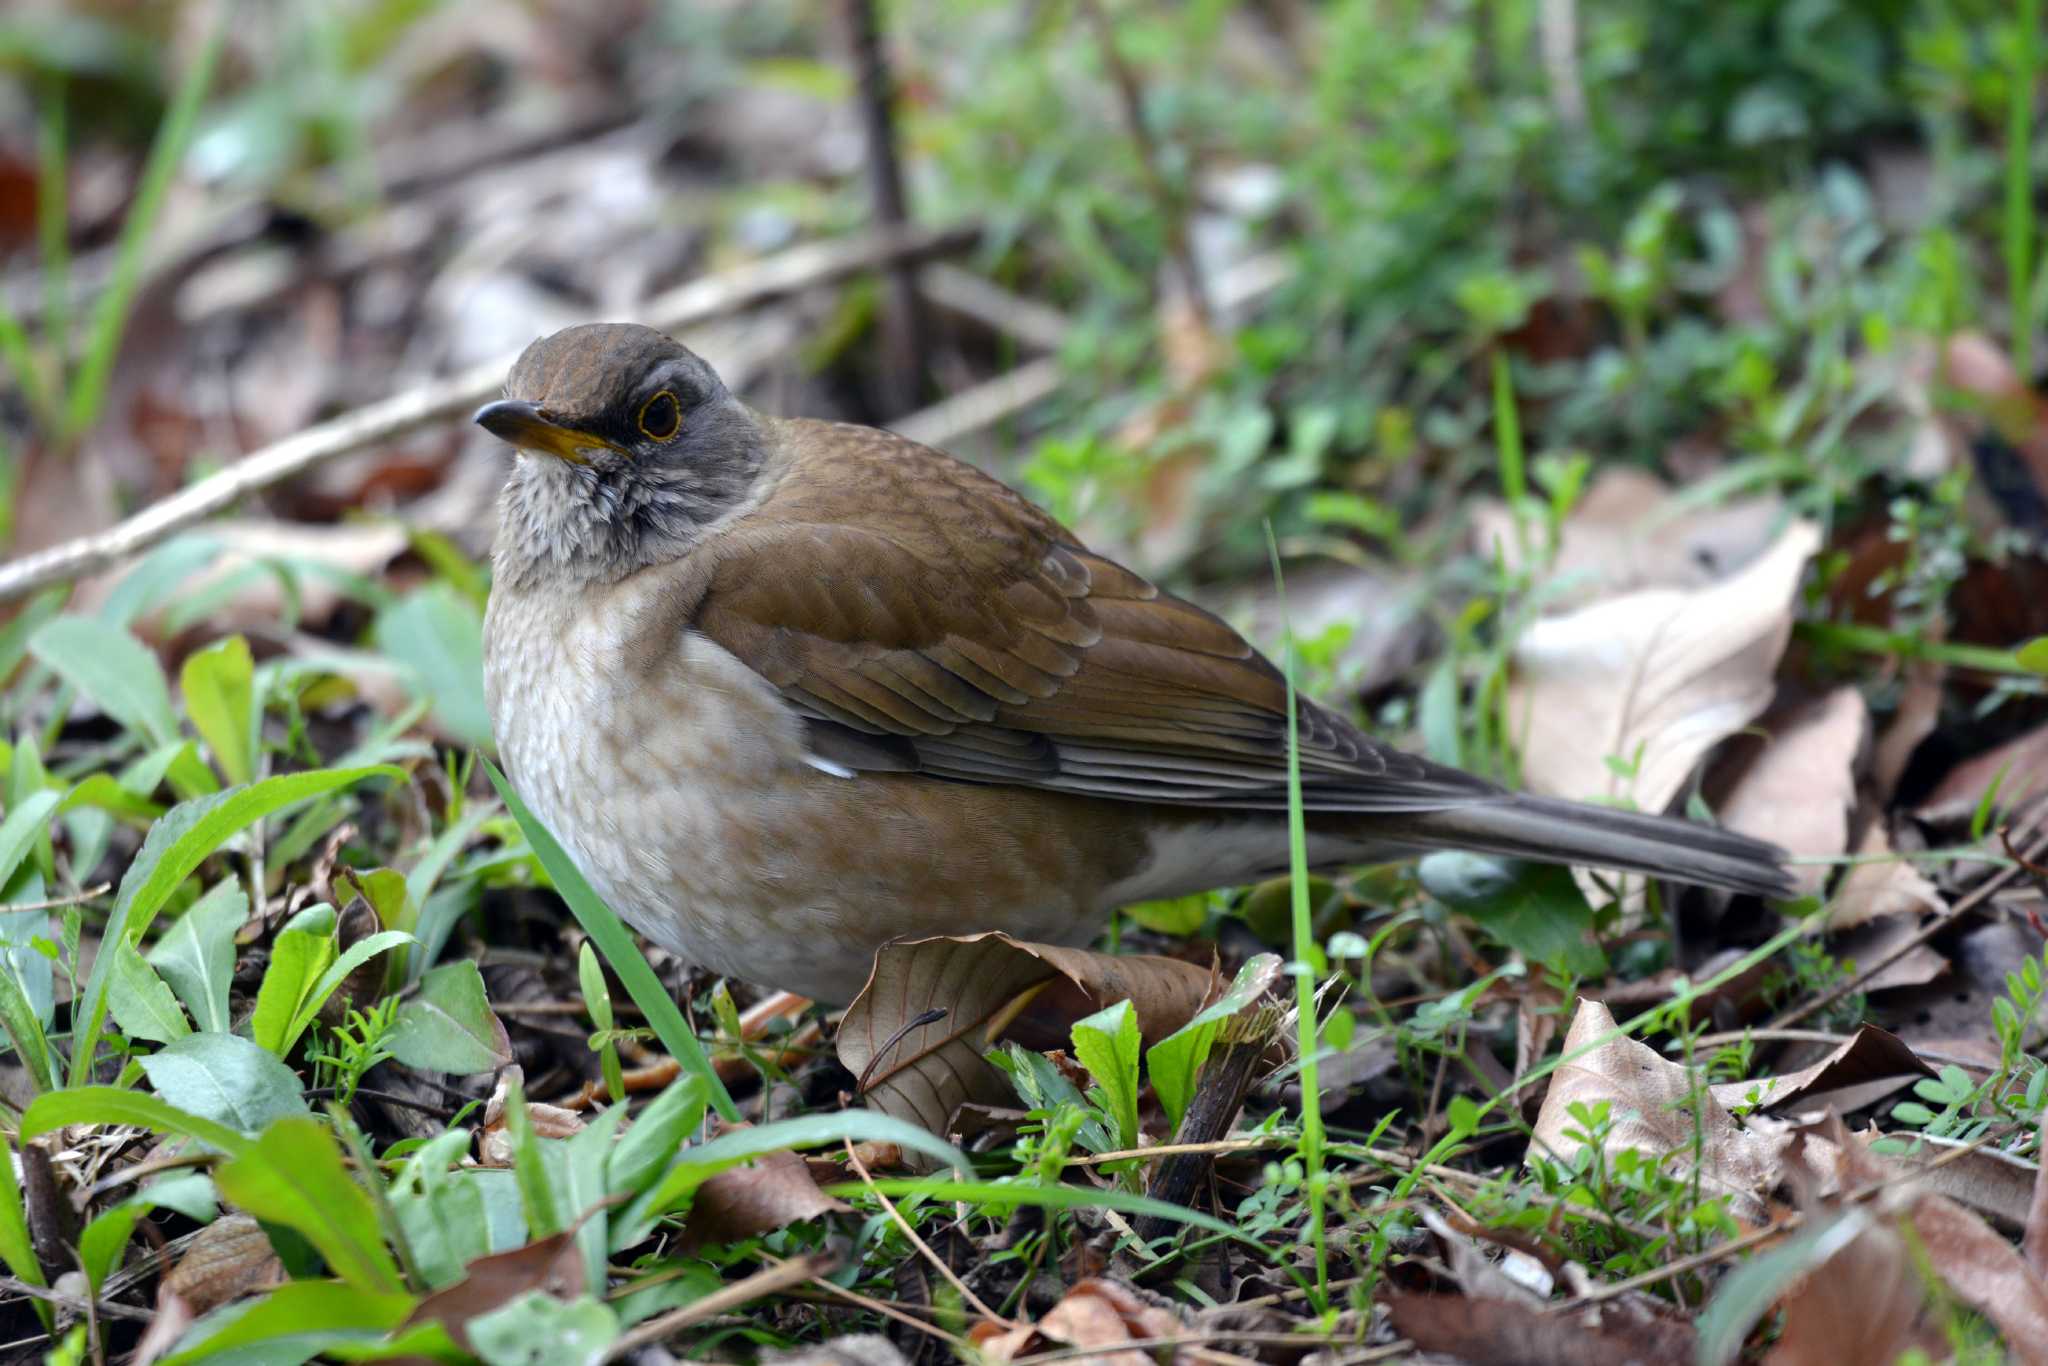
553 1265
773 1192
1793 780
988 987
1659 1108
1653 679
1097 1314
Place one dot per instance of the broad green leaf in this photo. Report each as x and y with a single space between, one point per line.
445 1226
174 848
293 1175
2033 655
142 1005
114 669
196 955
1535 909
112 1105
225 1078
1176 1061
448 1026
105 792
353 957
16 634
25 825
657 1135
220 699
26 777
438 638
1107 1044
297 958
17 1249
101 1242
300 1317
580 1186
616 943
540 1330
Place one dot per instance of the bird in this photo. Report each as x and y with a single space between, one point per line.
788 689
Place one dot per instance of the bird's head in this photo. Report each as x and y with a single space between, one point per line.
629 445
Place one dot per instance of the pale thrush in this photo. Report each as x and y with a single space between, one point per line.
789 689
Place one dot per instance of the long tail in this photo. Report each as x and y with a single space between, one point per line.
1553 831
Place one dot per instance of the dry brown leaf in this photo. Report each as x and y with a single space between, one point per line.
1883 888
1098 1315
229 1258
1630 531
1505 1333
1860 1304
744 1202
2023 762
494 1145
553 1265
1655 678
1986 1273
1659 1108
1796 785
1868 1058
984 983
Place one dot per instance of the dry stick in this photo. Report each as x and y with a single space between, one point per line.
1170 205
767 1281
1224 1080
903 329
1978 895
888 1310
980 1306
802 267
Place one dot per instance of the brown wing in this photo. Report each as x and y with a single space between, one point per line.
926 618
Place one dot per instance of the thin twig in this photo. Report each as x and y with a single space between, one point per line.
1981 893
816 263
980 1306
767 1281
888 1310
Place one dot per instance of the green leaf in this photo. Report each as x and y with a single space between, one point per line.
176 845
449 1026
301 1319
539 1330
297 958
353 957
2034 655
616 943
221 700
16 634
114 669
697 1165
23 1026
293 1175
438 638
1002 1195
1535 909
17 1249
142 1004
24 826
1107 1044
225 1078
196 955
657 1135
1176 1060
111 1105
101 1242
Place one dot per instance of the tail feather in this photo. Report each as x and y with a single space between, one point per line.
1550 830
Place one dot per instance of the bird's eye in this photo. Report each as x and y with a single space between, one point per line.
661 417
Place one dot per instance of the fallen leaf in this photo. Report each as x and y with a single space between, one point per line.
983 984
1859 1304
1883 888
1659 1108
1792 780
2019 767
1505 1333
1629 531
1987 1273
856 1349
744 1202
229 1258
1097 1315
553 1265
1869 1058
1652 679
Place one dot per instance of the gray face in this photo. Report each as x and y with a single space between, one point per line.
629 444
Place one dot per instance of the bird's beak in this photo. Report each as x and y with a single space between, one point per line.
525 426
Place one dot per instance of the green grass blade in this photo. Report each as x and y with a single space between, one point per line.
2019 185
615 942
110 317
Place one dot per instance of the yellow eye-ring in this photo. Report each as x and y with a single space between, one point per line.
661 417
